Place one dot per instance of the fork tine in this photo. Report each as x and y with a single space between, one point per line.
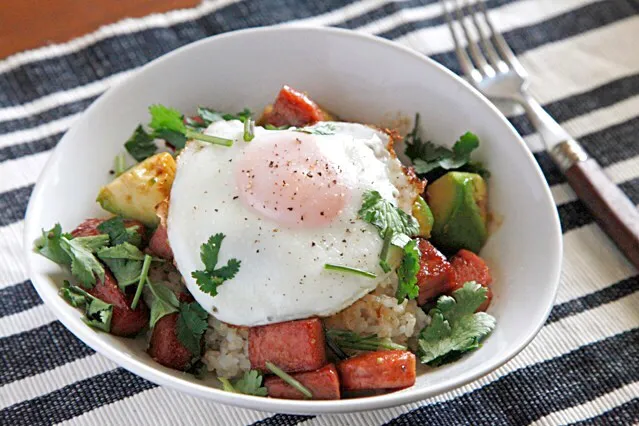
493 57
464 60
501 44
475 52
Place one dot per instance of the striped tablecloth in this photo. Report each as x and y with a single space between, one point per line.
583 367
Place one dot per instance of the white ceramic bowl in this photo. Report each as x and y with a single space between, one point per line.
360 78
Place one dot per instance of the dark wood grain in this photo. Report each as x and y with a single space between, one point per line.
614 212
26 24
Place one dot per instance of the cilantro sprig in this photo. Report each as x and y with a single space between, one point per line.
211 277
249 384
97 313
455 327
388 218
169 124
394 225
407 273
432 161
78 253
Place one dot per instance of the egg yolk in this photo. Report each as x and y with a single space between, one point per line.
286 177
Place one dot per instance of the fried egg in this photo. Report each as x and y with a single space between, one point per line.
287 203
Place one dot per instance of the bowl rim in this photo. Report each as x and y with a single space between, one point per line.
155 374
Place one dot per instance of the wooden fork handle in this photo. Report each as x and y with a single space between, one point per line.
614 212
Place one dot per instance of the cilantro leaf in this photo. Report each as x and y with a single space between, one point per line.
191 325
251 384
140 145
126 272
165 118
84 265
211 278
209 116
433 161
209 252
125 261
93 243
321 128
175 139
455 327
73 295
75 252
97 313
123 250
242 115
49 245
388 218
118 232
462 149
407 273
164 302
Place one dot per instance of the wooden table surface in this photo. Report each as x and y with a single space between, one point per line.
26 24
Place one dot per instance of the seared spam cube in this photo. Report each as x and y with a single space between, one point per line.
322 383
125 321
159 243
434 272
467 266
292 108
458 201
135 193
378 370
165 347
293 346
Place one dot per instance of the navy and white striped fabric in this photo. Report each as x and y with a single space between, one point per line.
583 368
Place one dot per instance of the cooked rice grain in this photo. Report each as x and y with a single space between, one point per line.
226 352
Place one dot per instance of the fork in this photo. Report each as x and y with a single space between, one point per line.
492 68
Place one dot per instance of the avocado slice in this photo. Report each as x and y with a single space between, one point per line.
424 217
458 201
135 193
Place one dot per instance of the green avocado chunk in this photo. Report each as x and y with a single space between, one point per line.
135 193
424 217
458 201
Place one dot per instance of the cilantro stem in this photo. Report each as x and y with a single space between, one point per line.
249 129
289 379
119 165
383 256
226 384
143 278
350 340
191 134
350 270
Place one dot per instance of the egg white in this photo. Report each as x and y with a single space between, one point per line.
282 275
